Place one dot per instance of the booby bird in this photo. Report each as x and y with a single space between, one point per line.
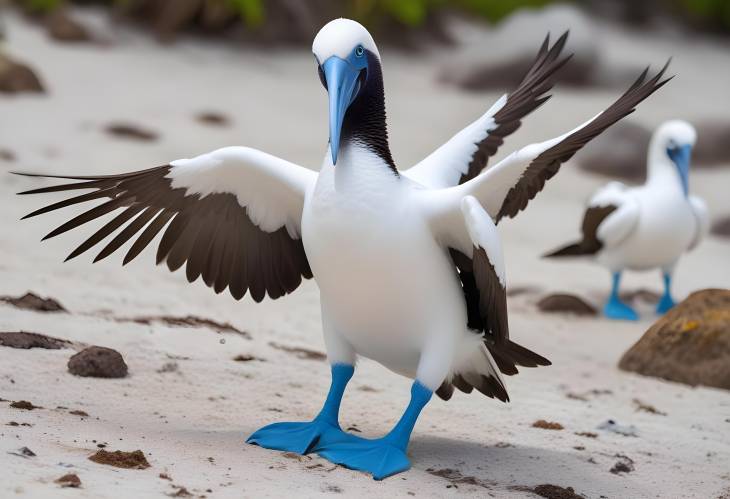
409 263
646 227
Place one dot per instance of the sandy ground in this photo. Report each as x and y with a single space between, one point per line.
192 422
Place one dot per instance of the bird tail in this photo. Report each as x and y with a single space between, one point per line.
573 249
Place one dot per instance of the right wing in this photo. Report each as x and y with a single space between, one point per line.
466 154
234 215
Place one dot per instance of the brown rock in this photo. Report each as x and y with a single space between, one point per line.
25 405
130 460
70 480
619 152
16 77
690 344
721 227
25 341
556 492
133 132
547 425
62 27
565 303
98 362
31 301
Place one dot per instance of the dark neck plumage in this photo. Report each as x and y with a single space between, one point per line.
364 122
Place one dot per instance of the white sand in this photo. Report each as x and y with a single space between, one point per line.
192 423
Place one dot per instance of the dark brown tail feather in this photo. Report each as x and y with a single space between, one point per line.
574 249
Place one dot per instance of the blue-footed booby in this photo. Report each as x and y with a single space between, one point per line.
646 227
409 263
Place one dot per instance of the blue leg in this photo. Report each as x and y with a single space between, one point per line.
666 302
302 437
382 457
615 308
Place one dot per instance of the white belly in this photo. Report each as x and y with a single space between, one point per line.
384 282
665 230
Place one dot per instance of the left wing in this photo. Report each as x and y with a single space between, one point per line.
466 154
234 215
505 189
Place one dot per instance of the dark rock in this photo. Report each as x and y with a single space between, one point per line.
712 147
79 412
31 301
25 340
16 77
566 303
721 227
23 452
70 480
213 118
619 152
133 132
130 460
623 465
550 491
62 27
25 405
98 362
689 344
244 357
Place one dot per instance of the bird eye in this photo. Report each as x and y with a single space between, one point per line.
359 51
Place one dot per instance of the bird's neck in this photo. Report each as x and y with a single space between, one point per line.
662 174
364 124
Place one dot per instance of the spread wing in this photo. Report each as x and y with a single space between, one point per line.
466 154
506 188
233 216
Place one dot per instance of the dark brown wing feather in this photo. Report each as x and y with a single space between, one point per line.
529 95
547 164
590 244
212 235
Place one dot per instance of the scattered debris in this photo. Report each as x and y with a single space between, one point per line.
213 118
566 303
456 478
614 427
298 352
547 425
98 362
70 480
16 77
180 492
77 412
133 132
25 405
244 357
23 452
587 434
624 465
689 344
550 491
23 340
295 456
189 321
62 27
165 476
641 406
130 460
169 367
332 488
31 301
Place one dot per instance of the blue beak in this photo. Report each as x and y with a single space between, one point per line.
680 156
342 85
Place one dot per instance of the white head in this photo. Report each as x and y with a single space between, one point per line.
670 150
346 56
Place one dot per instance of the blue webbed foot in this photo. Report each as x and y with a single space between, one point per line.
665 303
380 457
616 309
296 437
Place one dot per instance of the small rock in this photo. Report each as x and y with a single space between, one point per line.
81 413
130 460
23 452
614 427
31 301
547 425
566 303
62 27
169 367
550 491
721 227
16 77
244 357
25 340
70 480
618 153
25 405
213 118
586 434
133 132
689 344
623 465
98 362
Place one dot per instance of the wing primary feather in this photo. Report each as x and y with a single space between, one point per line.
87 216
126 234
147 235
107 229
